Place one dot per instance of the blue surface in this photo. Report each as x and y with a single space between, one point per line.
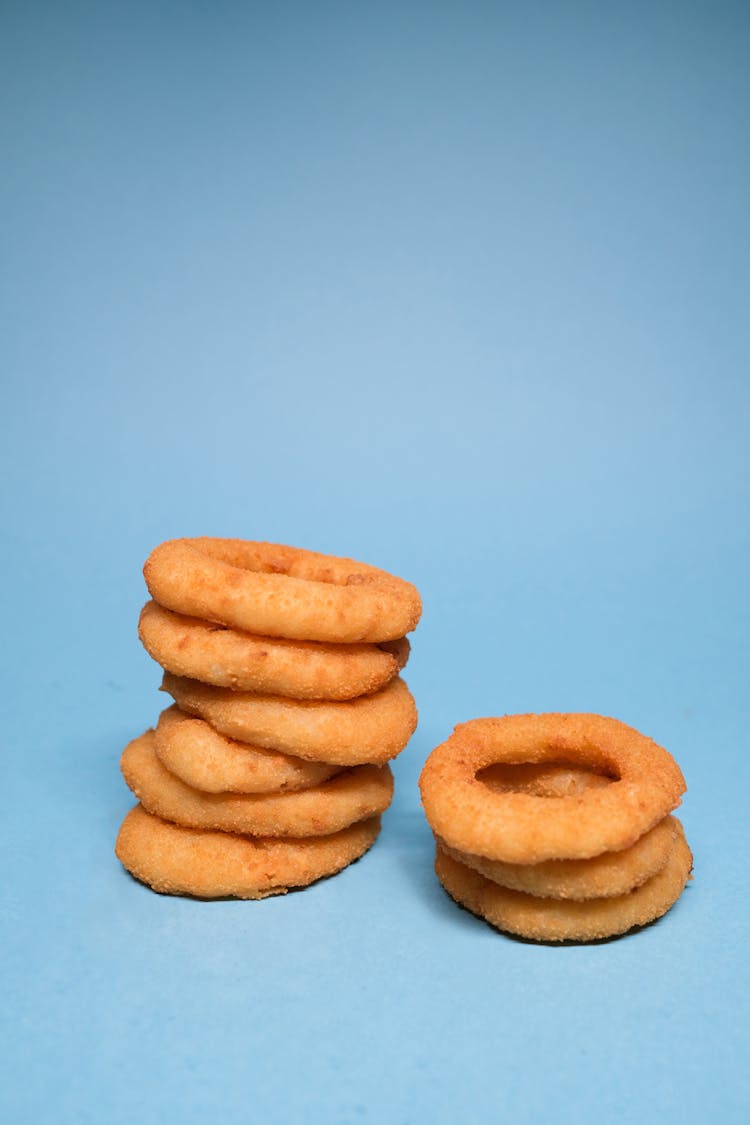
460 290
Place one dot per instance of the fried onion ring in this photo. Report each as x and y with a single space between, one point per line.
523 828
373 728
187 861
280 591
226 657
213 763
604 876
550 919
319 811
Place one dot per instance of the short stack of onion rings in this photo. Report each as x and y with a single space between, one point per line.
271 769
557 827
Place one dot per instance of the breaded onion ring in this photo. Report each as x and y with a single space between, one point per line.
550 919
280 591
604 876
226 657
319 811
186 861
522 828
373 728
213 763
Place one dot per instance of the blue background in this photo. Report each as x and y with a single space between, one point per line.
457 289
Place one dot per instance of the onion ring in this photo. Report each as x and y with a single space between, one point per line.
522 828
319 811
604 876
373 728
213 763
226 657
550 919
280 591
186 861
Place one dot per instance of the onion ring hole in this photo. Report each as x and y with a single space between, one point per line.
548 779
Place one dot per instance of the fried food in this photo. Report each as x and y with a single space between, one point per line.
321 810
373 728
216 654
213 763
603 876
523 828
279 591
186 861
549 919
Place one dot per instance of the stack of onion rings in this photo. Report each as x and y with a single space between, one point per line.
557 827
271 770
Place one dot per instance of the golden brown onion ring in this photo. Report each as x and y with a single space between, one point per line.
216 654
550 919
187 861
523 828
319 811
213 763
603 876
373 728
280 591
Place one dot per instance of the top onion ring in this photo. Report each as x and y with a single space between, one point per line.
280 591
521 828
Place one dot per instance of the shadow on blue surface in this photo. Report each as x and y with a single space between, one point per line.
411 837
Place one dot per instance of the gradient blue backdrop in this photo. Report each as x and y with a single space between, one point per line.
458 289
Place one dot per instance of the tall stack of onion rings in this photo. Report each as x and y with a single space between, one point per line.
271 769
557 827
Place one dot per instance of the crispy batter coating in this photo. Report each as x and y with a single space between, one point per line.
213 763
352 795
216 654
550 919
525 828
603 876
187 861
373 728
279 591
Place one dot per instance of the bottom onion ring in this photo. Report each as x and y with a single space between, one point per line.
549 919
604 876
353 795
186 861
373 728
213 763
524 828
